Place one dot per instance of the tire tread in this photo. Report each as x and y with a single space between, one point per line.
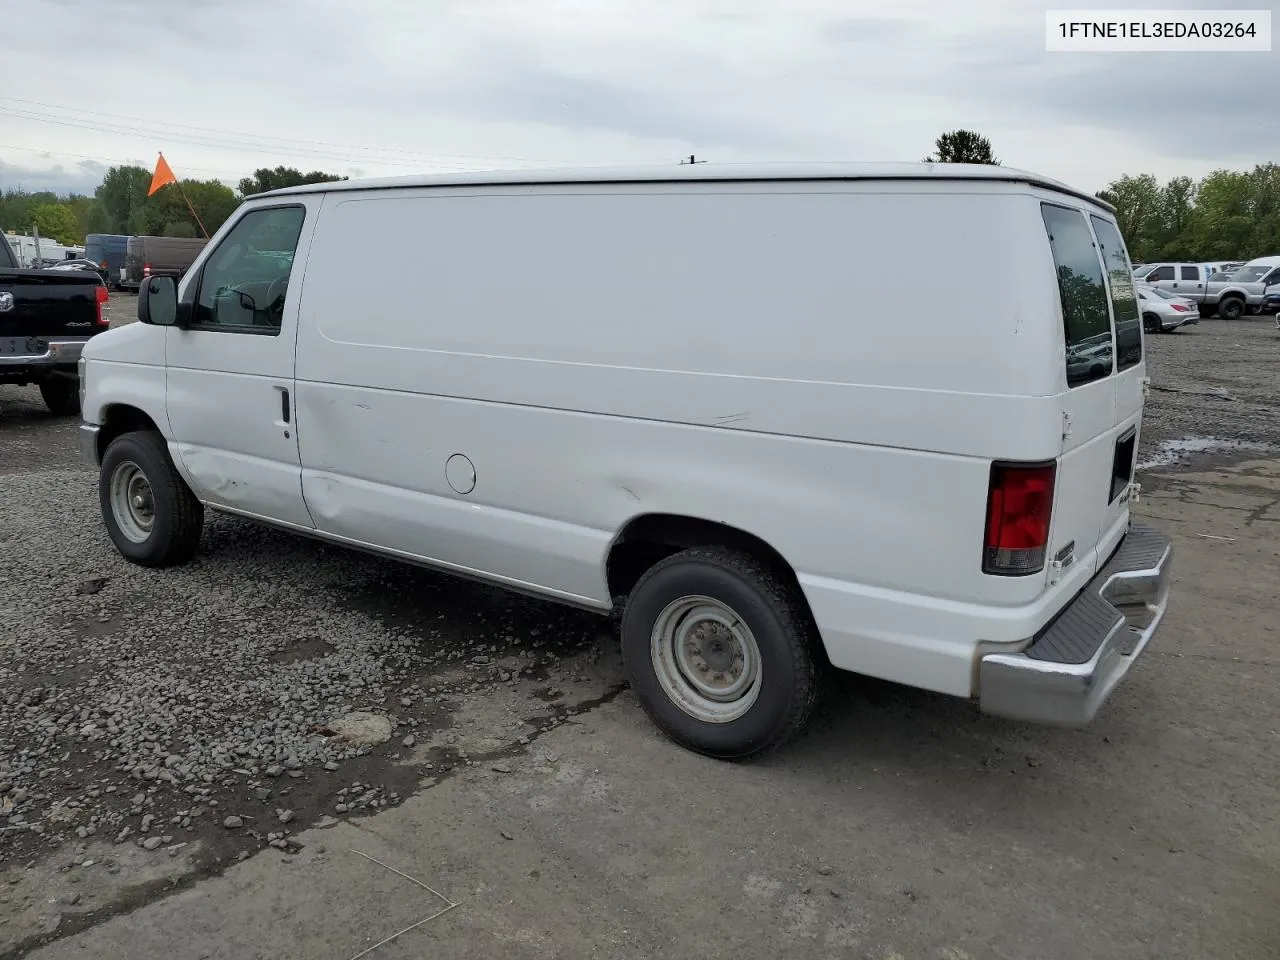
188 513
799 633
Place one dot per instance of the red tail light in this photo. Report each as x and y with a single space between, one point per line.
146 269
102 296
1019 506
1179 307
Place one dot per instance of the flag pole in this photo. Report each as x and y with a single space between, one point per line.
178 184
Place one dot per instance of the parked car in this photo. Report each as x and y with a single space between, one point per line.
81 264
46 318
108 251
1163 313
1271 302
158 256
643 391
1244 289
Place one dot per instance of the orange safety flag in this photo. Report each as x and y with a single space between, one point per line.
162 177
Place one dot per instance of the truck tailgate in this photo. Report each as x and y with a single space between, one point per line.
49 303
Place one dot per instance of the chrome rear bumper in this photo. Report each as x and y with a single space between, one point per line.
56 353
1070 668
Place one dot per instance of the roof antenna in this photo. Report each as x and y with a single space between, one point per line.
692 159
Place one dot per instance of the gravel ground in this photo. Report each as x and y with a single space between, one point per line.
209 712
1213 389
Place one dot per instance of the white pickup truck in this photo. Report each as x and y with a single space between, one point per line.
1229 299
1244 291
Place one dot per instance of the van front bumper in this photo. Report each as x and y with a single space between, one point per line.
89 443
1071 666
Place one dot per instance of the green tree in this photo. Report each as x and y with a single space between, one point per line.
1224 225
90 217
122 195
1177 206
213 202
180 228
962 146
57 222
265 179
1137 201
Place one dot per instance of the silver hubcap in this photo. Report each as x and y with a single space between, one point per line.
132 503
706 659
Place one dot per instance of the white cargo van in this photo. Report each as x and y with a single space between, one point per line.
684 394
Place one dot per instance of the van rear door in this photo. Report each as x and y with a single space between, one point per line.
1096 442
1130 371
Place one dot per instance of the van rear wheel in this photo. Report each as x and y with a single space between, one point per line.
721 651
150 513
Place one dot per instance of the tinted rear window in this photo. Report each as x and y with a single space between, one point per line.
1124 306
1086 319
7 258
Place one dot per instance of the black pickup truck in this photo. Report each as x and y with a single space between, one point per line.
46 317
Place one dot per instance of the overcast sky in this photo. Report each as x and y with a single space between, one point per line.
384 87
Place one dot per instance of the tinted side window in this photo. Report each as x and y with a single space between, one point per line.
1120 285
1085 317
1160 273
1190 273
1273 277
243 286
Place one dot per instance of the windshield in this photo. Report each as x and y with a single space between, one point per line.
1165 294
1249 274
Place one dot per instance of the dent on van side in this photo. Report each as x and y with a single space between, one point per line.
687 398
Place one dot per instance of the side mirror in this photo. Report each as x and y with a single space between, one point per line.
158 302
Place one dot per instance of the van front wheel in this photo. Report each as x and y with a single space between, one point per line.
151 515
720 651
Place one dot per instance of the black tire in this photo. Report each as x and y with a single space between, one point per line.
177 516
62 396
790 669
1231 308
1151 323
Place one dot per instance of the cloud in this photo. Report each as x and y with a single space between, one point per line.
82 178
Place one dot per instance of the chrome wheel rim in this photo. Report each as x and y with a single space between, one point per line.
706 659
132 502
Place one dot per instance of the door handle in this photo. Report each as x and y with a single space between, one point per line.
284 404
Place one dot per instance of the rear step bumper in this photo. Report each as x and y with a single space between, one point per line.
59 352
1072 665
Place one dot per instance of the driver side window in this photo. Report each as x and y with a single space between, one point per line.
244 281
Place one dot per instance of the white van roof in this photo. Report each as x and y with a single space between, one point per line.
658 173
1264 262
